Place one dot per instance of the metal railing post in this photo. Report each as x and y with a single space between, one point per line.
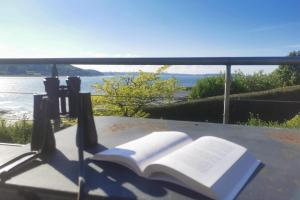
227 94
54 72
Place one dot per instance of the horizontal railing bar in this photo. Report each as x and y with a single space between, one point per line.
158 61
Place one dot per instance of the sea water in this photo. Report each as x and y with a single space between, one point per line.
16 93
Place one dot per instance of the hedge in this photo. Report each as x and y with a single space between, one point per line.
276 104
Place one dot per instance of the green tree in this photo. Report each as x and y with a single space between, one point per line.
129 95
289 74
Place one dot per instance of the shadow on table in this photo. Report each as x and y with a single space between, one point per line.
22 169
68 168
115 181
119 182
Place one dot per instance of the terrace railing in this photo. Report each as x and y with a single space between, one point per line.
225 61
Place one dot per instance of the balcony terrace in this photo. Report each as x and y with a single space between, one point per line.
55 176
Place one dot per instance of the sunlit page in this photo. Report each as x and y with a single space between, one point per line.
145 150
204 160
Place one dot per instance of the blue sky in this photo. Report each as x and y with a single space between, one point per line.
149 28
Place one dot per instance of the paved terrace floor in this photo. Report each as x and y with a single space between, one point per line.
56 176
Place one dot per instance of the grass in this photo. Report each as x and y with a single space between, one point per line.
20 131
291 123
16 132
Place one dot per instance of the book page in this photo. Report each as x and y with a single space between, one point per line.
139 153
198 165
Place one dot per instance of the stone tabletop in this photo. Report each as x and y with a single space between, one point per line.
55 176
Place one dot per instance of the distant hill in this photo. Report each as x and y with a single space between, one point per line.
45 70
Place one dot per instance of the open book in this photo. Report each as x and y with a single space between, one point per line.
209 165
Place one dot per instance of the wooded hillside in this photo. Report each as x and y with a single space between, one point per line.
45 70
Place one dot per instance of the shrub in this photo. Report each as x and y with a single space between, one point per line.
241 83
256 82
289 75
208 86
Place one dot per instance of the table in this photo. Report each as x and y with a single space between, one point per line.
55 177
